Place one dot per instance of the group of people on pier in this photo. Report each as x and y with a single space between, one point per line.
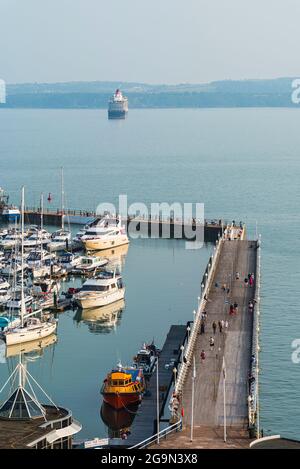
223 325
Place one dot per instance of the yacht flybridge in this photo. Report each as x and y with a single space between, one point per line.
108 233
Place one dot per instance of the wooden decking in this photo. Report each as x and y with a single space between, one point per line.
144 424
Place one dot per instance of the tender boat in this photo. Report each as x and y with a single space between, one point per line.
68 260
89 264
123 386
108 233
146 358
105 288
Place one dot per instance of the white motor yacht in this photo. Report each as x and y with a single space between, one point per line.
61 239
108 233
37 238
105 288
10 240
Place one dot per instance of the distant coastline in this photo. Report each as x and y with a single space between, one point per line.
95 95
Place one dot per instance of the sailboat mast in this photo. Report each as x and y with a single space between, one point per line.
22 259
62 200
42 210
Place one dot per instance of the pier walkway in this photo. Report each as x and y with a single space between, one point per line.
234 344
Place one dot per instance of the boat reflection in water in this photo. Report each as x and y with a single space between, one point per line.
101 320
116 256
32 350
118 422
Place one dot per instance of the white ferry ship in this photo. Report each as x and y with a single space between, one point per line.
117 106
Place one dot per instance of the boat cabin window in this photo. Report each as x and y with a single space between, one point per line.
87 261
94 288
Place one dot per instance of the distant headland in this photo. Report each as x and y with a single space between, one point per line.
92 95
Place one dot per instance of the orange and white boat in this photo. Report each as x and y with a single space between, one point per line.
123 387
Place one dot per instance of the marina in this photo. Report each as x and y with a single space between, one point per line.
175 276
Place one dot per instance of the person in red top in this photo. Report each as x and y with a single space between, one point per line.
202 355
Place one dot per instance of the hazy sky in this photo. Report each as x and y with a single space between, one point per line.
154 41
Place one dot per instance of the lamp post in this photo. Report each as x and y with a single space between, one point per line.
175 372
157 400
193 397
188 332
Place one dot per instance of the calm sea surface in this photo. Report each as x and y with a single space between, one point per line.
243 164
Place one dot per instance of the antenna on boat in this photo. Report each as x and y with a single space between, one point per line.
23 307
42 210
62 199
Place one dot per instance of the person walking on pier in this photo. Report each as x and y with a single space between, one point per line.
251 281
231 310
226 326
214 327
220 326
235 307
202 356
202 327
211 343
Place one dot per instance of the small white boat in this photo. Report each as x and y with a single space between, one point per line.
68 260
38 238
61 239
108 233
16 299
12 268
10 240
5 296
105 288
45 287
35 258
89 264
4 284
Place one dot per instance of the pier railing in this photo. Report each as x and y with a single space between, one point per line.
189 349
253 398
176 427
130 216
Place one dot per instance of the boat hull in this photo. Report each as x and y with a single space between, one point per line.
117 114
96 301
16 337
121 401
100 244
